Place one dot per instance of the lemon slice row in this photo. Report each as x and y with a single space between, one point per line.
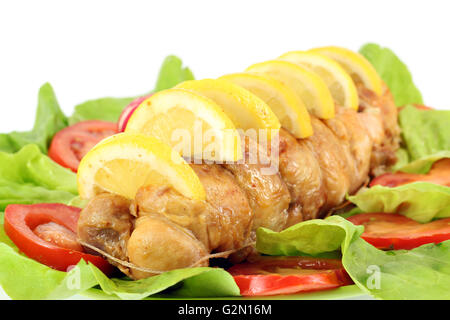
267 96
320 78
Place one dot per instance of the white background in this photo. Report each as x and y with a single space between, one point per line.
91 49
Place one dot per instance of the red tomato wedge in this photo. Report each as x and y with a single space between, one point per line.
128 111
71 144
393 231
288 275
46 232
439 174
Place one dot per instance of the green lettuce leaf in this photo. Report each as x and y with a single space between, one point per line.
425 132
189 282
24 278
172 73
421 273
394 73
78 202
426 137
421 165
49 120
402 159
421 201
109 109
311 237
28 176
106 109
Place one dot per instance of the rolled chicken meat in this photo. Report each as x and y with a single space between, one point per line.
162 230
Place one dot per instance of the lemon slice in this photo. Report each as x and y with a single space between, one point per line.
190 123
246 110
309 87
339 82
359 68
289 109
123 163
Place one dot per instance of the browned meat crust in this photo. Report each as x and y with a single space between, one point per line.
106 223
382 110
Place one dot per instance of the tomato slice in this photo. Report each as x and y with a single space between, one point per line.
288 275
393 231
439 174
30 228
71 144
